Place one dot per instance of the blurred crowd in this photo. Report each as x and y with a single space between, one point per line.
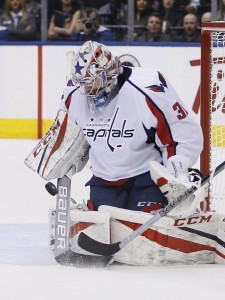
99 20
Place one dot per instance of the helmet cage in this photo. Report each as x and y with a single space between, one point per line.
95 71
93 86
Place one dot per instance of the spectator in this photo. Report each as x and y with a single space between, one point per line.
191 32
4 33
206 17
93 3
3 30
20 25
187 6
221 11
92 29
64 21
195 3
142 10
52 6
141 13
34 9
204 6
109 12
154 30
2 2
172 17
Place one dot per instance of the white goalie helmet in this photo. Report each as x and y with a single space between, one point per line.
95 70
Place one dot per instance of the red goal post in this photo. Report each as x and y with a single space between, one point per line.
213 109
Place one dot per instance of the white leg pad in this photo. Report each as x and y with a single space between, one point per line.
198 239
95 224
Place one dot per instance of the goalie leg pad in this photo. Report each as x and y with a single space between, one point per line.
95 224
199 239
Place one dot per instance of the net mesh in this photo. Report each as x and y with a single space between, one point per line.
217 119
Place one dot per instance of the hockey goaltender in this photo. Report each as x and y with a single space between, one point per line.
141 142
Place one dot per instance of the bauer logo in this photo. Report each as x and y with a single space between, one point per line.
61 218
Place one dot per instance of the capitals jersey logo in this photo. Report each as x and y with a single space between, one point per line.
159 88
108 131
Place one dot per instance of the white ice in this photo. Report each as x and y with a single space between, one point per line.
27 267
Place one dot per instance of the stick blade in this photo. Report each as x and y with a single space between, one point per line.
70 258
96 247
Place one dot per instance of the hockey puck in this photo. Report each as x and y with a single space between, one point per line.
51 188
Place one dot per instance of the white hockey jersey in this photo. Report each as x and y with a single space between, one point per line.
145 121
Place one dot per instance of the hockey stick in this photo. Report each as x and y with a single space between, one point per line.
62 222
69 66
93 246
62 252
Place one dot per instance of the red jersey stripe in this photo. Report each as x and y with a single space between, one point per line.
163 130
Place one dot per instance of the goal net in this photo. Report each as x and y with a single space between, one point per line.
213 109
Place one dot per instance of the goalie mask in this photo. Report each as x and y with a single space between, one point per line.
95 71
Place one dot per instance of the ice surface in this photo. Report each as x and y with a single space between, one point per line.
27 267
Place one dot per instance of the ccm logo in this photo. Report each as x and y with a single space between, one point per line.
192 220
47 138
62 218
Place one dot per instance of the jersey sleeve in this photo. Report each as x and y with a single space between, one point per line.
177 132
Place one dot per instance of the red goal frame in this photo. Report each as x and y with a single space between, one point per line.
205 93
